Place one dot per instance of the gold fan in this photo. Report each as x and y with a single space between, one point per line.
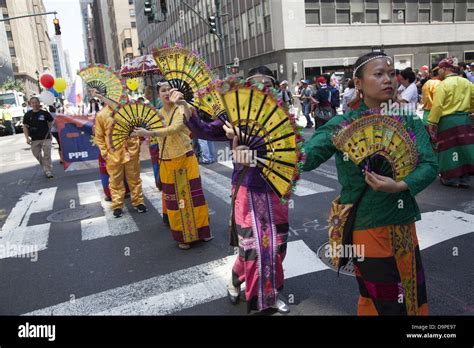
379 143
270 133
107 83
189 73
131 115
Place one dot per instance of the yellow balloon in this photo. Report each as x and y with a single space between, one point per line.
60 85
132 84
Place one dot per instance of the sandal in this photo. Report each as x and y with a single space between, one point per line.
184 246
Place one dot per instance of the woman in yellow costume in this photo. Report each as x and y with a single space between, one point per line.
120 162
184 205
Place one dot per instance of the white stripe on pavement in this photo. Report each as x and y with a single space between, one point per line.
178 290
303 187
217 184
102 226
151 191
438 226
16 238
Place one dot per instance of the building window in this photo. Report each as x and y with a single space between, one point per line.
343 16
437 11
312 17
127 43
470 15
435 58
448 15
385 11
424 16
372 4
9 35
245 25
328 12
357 9
343 4
372 16
237 29
130 2
134 24
461 10
132 12
259 15
12 52
412 12
398 16
251 16
267 25
469 57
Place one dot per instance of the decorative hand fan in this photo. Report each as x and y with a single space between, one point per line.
270 132
379 143
129 116
105 81
188 72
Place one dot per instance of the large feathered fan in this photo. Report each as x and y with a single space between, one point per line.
188 72
105 81
268 130
379 143
129 116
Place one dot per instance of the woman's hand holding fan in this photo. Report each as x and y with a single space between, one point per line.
384 183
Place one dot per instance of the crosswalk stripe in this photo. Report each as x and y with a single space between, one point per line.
151 192
16 238
303 187
102 226
433 226
217 184
178 290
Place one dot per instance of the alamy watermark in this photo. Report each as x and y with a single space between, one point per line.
8 250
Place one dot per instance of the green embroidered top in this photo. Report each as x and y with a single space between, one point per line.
376 208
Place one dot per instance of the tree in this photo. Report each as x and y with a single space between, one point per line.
12 84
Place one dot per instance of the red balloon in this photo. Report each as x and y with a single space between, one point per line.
47 81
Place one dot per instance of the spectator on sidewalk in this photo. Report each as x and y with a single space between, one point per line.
37 129
305 98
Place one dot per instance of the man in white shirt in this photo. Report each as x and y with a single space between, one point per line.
409 95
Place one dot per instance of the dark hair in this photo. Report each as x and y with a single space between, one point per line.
141 99
263 70
350 83
363 59
161 80
434 72
34 97
462 65
51 108
408 74
328 78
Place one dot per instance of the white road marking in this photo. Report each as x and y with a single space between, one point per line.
438 226
178 290
151 191
303 187
16 238
102 226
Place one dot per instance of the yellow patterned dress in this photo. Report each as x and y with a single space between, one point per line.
184 204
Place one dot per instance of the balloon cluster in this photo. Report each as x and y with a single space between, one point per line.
53 86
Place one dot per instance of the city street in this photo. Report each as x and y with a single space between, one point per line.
132 266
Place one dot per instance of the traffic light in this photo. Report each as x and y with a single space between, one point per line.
57 27
212 25
149 13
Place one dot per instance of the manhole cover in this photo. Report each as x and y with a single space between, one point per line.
68 215
347 269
